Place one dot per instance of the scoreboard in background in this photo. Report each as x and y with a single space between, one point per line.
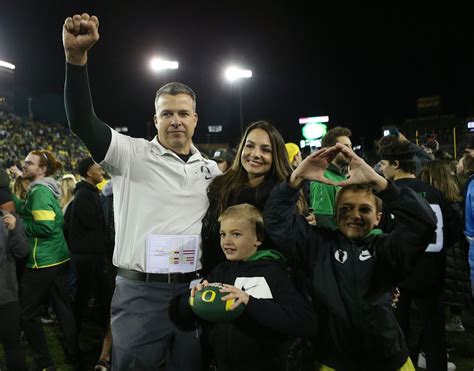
314 128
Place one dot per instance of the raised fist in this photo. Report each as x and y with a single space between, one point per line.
80 33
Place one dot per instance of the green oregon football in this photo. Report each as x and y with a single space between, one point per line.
208 305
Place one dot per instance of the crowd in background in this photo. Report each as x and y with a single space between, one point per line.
19 136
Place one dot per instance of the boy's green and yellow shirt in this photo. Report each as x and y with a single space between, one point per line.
44 221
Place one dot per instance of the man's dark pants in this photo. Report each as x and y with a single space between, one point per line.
37 287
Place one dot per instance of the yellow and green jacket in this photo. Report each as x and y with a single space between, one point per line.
44 221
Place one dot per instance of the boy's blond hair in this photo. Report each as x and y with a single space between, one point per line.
248 213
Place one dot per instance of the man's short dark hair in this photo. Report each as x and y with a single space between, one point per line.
175 88
400 151
84 165
387 140
330 139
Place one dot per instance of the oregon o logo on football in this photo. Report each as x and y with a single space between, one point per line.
205 295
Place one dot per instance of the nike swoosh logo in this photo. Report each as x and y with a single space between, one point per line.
248 288
364 255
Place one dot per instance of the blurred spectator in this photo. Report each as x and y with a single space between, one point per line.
295 158
20 189
13 245
425 284
470 144
224 159
457 284
294 154
85 234
6 200
323 195
468 164
431 147
68 183
457 169
421 157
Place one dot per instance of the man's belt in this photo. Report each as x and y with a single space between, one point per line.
157 277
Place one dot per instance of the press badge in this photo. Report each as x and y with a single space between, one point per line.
167 253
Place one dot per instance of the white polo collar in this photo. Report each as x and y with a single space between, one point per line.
158 148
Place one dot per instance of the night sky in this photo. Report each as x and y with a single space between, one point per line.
358 65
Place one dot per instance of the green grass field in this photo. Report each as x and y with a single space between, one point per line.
462 355
463 342
55 349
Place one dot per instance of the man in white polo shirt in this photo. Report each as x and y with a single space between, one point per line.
159 199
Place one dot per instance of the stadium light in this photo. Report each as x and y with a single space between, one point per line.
313 120
233 74
158 64
10 66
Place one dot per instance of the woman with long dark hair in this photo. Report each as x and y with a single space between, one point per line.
261 162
